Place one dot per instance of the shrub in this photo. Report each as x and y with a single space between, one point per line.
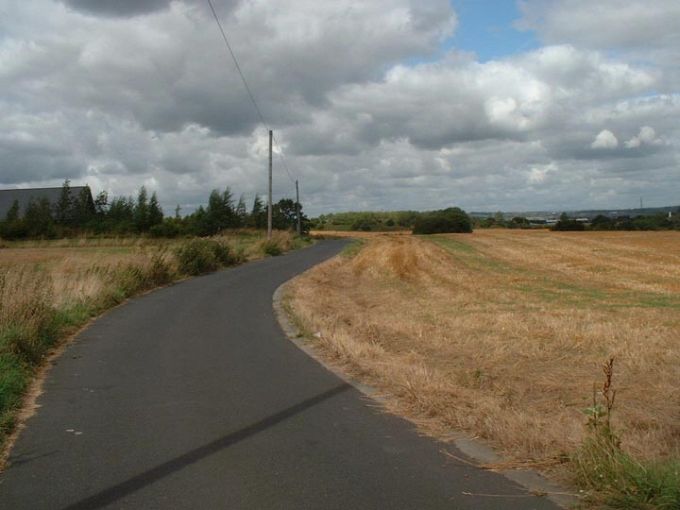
566 224
199 256
169 228
272 248
449 220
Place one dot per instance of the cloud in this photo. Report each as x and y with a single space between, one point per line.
122 8
647 136
605 140
606 24
369 109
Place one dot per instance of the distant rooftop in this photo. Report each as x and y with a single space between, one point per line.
24 196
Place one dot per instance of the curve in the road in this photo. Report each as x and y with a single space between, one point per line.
191 398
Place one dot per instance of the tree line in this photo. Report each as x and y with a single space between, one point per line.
452 219
79 213
657 221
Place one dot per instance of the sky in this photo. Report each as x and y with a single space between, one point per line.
375 105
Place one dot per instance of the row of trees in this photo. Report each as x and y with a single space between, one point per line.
643 222
380 221
78 213
601 222
452 219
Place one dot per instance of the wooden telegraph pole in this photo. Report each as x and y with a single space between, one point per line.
269 201
297 208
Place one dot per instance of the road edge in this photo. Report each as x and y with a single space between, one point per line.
478 453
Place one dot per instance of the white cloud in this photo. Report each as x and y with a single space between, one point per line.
646 136
538 174
605 140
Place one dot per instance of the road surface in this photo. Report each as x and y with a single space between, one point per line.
191 397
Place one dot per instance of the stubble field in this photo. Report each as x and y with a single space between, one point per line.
502 334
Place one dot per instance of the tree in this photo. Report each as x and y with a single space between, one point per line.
565 223
519 222
499 219
13 227
241 212
284 214
121 215
602 222
101 204
83 208
258 215
448 220
220 213
64 207
155 211
38 218
141 211
198 222
13 212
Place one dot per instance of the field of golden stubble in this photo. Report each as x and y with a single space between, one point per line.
502 333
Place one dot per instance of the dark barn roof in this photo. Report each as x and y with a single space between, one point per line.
24 196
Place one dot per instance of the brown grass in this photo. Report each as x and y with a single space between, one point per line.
80 270
502 333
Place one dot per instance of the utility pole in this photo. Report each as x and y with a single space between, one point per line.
269 202
297 208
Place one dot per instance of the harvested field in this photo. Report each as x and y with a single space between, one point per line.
503 334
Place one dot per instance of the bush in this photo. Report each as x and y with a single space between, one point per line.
272 248
566 224
451 220
169 228
199 256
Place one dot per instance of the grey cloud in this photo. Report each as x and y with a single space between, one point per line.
25 163
155 100
121 8
605 24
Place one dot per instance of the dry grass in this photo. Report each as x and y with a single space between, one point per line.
80 270
502 333
75 273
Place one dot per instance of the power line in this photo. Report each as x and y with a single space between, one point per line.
247 87
283 160
238 67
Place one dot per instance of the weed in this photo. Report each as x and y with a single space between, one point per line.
198 256
271 248
612 476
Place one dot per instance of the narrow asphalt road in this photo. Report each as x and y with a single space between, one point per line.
191 397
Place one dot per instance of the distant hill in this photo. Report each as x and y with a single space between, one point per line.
583 213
